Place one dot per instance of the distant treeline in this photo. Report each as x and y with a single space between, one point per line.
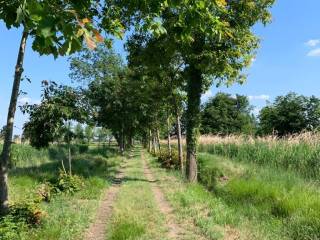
227 114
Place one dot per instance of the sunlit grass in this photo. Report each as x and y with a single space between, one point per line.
136 214
254 201
67 215
269 193
300 153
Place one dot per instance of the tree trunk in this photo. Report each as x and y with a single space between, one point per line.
63 168
120 144
131 141
180 148
9 127
118 140
144 140
150 142
122 140
154 144
158 140
169 137
124 145
194 90
69 159
69 149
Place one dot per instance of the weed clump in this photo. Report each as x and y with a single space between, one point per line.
9 230
208 176
67 183
44 191
210 173
20 218
167 160
30 213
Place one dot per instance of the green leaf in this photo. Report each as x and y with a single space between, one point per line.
46 32
20 15
35 17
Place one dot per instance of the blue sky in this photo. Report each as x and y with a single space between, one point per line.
288 60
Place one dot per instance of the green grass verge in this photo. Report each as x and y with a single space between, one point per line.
269 193
219 214
67 215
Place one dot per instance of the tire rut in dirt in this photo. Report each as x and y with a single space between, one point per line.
97 230
175 230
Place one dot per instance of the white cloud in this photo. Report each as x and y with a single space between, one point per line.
313 42
256 110
24 100
259 97
208 94
314 53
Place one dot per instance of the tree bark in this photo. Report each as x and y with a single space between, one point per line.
4 197
158 140
194 90
180 147
169 137
69 149
69 159
122 145
131 141
144 140
117 137
154 147
150 141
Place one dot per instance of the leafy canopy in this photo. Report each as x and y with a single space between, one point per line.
290 114
214 36
59 105
59 27
225 114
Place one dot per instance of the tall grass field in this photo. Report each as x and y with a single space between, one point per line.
67 211
266 187
298 153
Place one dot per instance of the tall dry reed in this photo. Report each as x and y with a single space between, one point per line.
299 153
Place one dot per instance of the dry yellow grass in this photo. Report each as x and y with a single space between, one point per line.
311 138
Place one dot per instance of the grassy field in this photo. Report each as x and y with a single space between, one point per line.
239 196
300 153
66 215
248 201
260 188
211 215
283 204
